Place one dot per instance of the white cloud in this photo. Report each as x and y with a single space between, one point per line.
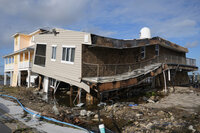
192 44
108 18
99 31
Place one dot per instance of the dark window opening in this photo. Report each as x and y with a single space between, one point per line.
143 52
40 55
157 50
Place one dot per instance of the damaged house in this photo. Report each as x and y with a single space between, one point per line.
100 65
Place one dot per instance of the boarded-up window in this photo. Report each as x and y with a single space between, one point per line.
40 55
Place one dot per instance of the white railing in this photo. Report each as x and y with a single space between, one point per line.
9 67
25 64
190 62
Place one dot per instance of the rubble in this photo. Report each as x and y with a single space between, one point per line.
175 112
83 112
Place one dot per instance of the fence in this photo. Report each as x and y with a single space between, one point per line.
99 70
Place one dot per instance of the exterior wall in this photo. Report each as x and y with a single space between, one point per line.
181 78
102 61
26 56
24 41
70 73
166 51
99 55
15 74
16 42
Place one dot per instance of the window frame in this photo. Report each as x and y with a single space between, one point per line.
157 50
33 38
52 82
70 49
35 53
53 46
143 52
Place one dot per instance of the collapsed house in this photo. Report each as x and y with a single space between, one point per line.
99 64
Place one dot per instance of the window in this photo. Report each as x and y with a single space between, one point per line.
40 55
68 54
53 53
157 50
143 52
33 38
52 82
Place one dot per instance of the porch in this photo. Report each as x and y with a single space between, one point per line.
103 70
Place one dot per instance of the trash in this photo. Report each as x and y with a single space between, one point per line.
101 104
83 112
131 105
102 128
80 104
191 128
90 113
150 101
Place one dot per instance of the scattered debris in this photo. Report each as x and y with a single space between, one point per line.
175 112
80 104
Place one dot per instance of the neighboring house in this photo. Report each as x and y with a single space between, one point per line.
18 64
100 64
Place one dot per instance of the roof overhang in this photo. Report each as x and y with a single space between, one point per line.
106 42
21 50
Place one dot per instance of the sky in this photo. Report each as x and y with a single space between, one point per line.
175 20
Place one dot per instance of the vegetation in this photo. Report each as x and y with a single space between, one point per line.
1 77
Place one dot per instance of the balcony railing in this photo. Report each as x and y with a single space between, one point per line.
99 70
190 62
9 67
25 65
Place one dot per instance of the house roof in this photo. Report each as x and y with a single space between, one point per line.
21 50
30 34
100 41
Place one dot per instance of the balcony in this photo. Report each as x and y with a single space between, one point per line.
9 67
101 70
25 65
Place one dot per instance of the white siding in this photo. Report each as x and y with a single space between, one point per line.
70 73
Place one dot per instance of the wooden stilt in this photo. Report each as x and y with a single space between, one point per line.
71 93
89 99
165 84
79 96
39 83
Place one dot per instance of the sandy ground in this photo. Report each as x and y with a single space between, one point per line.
183 98
177 112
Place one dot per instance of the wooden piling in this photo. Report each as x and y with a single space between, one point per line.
90 100
79 96
71 93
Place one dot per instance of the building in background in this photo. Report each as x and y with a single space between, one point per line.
18 64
